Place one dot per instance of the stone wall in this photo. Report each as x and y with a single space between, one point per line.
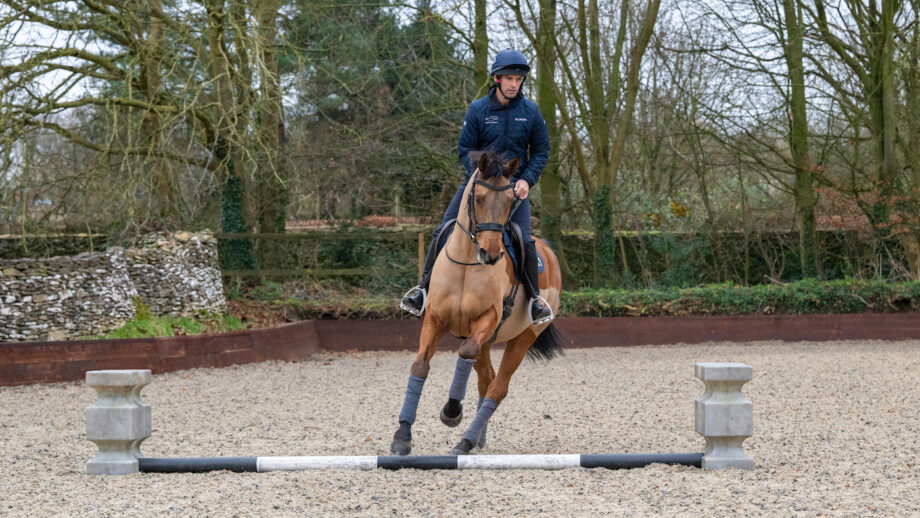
177 274
91 293
64 297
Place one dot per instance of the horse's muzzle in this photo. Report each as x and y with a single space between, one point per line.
487 260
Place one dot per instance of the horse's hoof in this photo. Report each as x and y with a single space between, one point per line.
462 448
452 407
402 439
401 447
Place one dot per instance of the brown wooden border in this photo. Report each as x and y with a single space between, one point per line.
34 362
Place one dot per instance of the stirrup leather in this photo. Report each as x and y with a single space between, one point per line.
412 290
545 305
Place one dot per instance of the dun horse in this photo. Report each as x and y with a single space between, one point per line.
471 278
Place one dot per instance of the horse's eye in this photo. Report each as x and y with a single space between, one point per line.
479 199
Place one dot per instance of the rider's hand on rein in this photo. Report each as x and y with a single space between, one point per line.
521 189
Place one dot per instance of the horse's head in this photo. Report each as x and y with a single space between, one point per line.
489 205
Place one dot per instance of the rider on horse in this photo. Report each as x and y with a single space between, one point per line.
507 123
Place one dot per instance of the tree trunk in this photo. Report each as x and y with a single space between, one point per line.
239 65
550 181
234 254
884 124
632 91
227 144
271 173
805 199
481 50
912 87
607 177
166 200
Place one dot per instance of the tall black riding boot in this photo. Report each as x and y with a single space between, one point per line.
414 299
539 313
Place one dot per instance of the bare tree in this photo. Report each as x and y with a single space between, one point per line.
156 72
864 39
602 104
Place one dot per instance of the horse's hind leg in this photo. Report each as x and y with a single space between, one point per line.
418 373
486 374
497 390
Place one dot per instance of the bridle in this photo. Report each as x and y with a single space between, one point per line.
491 226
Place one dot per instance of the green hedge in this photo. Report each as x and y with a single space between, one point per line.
797 298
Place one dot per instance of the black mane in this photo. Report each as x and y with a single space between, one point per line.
495 168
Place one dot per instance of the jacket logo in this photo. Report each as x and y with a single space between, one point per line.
492 119
521 119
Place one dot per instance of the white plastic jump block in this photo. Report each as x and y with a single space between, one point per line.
118 421
723 416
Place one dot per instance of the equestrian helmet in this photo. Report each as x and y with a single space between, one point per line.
510 61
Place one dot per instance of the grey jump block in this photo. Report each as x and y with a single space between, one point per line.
724 417
118 421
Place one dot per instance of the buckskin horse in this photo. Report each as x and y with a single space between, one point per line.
472 286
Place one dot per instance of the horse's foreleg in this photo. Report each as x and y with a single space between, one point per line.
452 413
497 390
481 330
418 373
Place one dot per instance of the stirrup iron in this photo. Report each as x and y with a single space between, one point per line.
416 312
545 305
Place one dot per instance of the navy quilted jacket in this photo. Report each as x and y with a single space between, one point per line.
517 130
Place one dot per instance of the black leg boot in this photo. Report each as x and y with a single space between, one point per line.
414 299
539 313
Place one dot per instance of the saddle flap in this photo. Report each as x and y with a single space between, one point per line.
513 231
514 242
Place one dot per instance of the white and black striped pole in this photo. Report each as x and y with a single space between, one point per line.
547 462
119 421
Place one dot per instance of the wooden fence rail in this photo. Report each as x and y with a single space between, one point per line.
400 237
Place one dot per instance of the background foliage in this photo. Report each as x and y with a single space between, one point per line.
746 142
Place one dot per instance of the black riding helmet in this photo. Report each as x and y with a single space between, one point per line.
510 61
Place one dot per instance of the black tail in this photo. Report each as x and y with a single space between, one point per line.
548 345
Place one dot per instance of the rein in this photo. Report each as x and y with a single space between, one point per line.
476 227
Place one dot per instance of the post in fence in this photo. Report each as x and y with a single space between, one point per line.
421 253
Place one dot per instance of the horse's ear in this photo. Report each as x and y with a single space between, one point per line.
483 162
512 167
474 156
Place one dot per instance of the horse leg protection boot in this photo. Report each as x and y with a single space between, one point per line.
539 313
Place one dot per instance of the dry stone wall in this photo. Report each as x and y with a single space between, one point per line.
91 293
177 274
63 297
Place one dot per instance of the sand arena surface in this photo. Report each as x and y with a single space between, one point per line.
835 434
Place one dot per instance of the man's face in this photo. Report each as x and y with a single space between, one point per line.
510 84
